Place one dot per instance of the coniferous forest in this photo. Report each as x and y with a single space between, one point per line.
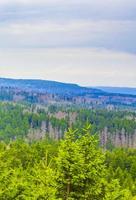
58 152
73 168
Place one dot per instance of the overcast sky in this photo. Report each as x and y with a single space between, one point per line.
80 41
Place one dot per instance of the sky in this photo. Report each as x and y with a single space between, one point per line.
91 43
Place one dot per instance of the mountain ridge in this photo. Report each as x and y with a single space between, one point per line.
49 86
45 91
42 84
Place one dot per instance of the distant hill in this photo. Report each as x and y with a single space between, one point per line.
51 87
119 90
44 91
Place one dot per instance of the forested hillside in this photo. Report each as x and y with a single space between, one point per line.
48 92
51 87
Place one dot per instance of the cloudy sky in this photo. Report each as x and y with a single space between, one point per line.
80 41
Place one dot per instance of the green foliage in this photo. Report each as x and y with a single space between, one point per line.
26 171
113 120
17 120
121 165
75 168
115 192
81 170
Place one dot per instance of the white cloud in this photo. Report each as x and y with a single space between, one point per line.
83 66
49 33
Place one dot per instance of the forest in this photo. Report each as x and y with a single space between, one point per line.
57 152
73 168
32 121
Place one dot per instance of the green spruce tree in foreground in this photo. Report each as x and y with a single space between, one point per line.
81 172
80 167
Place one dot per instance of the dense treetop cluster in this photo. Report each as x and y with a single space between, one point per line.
74 168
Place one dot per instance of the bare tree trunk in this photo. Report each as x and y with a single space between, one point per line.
68 188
